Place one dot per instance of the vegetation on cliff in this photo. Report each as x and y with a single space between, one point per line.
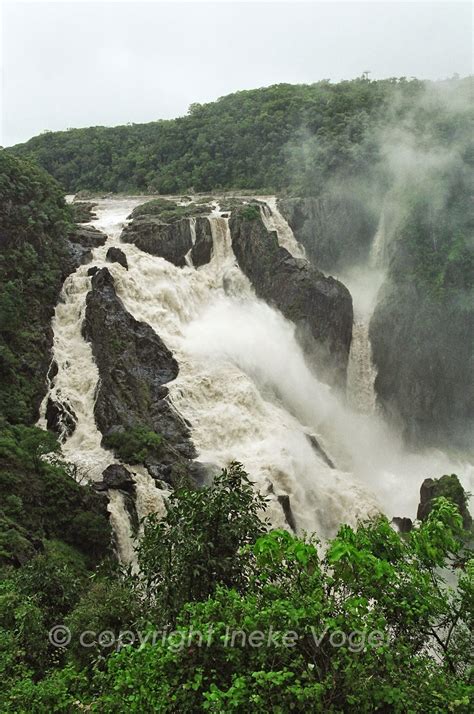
34 224
53 531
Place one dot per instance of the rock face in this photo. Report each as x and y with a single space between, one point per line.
88 237
202 248
76 255
58 419
320 307
284 501
171 241
403 525
422 350
117 476
115 255
336 230
134 366
449 487
83 211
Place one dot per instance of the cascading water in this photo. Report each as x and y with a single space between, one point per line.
243 385
75 385
240 404
274 221
364 284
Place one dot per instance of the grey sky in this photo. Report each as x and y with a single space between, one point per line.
87 63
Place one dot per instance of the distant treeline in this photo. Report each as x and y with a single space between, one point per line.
254 139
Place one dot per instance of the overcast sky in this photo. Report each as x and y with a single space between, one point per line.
68 64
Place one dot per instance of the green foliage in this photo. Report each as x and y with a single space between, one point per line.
34 222
250 212
197 545
134 446
40 499
262 621
254 139
109 605
372 626
168 211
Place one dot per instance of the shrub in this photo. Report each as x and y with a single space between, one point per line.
134 446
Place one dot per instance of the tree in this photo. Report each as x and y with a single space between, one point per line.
198 545
370 627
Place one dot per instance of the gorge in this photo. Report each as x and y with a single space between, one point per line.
236 396
243 384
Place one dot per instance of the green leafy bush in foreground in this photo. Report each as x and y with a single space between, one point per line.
368 625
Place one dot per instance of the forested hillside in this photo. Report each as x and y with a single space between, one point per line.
53 531
217 608
247 140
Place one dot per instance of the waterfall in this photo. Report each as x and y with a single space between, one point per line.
244 387
378 251
75 385
274 221
364 284
243 383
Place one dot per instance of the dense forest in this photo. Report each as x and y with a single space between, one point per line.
226 614
254 139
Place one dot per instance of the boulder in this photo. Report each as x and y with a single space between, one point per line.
117 476
115 255
88 237
134 366
403 525
75 255
449 487
319 306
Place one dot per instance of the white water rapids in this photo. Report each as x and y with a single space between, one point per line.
243 385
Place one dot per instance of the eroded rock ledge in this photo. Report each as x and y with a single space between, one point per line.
134 366
171 241
320 306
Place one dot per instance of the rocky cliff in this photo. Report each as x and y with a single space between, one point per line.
335 229
169 241
134 367
320 307
423 326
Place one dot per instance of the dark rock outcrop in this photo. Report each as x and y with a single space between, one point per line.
134 366
336 229
423 326
319 450
75 255
202 248
284 501
171 241
403 525
320 307
115 255
117 476
449 487
60 419
83 211
88 237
